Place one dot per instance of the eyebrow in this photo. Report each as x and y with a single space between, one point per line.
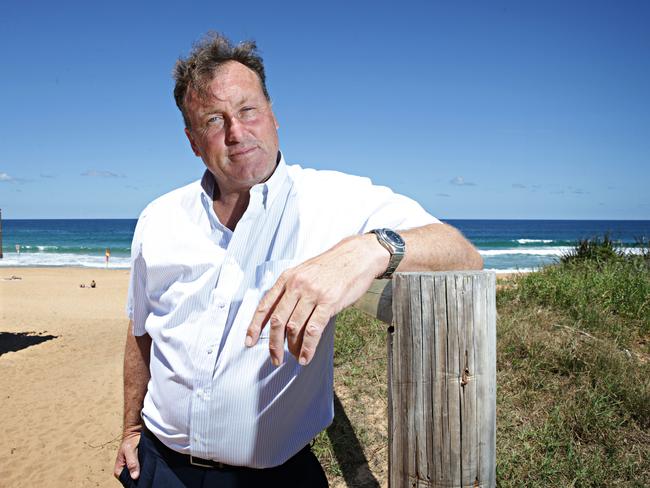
211 112
242 102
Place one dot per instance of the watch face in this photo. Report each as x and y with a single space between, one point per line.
394 237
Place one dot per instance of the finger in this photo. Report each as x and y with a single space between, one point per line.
312 334
296 324
119 464
131 457
279 318
264 310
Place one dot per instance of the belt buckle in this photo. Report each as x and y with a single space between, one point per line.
195 463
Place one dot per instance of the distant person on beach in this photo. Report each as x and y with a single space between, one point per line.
17 248
235 283
108 256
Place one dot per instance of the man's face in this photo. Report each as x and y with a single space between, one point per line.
233 129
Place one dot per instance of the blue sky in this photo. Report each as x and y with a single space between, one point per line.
476 109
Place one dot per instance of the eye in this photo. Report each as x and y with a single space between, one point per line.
215 121
248 113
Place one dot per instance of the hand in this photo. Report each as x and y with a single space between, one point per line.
304 298
127 455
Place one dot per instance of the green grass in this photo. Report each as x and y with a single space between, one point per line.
574 372
573 378
606 295
572 410
359 434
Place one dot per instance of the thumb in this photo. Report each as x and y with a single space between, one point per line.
131 457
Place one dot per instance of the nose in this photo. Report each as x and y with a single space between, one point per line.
234 130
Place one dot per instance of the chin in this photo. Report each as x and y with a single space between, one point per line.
258 172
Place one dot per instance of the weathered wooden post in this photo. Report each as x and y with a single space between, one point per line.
441 375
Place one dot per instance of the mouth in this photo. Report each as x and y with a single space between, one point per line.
242 152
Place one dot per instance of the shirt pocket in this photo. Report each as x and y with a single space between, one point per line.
266 275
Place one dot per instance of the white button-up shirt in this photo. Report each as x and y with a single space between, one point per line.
194 287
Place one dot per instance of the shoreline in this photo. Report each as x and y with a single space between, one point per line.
499 272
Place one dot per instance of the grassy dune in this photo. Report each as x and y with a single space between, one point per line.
573 379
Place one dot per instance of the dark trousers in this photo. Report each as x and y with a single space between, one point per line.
160 467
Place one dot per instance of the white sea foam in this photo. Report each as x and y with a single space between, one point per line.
544 251
511 270
56 259
532 251
632 250
531 241
12 259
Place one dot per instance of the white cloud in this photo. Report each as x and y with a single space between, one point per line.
6 177
101 174
460 181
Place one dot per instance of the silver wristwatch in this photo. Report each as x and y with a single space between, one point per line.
395 245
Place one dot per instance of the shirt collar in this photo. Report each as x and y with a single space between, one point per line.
271 187
267 190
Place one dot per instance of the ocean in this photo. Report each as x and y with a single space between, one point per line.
506 245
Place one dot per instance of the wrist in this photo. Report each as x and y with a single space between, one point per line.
377 254
132 426
396 247
131 431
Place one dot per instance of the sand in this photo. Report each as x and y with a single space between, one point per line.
61 402
61 405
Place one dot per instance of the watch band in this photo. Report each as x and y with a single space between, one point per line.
395 245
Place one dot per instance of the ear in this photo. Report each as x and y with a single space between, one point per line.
195 148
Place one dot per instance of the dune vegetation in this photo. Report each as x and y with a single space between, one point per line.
573 378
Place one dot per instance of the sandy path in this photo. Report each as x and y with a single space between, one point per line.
61 399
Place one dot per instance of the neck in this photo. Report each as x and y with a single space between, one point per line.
230 208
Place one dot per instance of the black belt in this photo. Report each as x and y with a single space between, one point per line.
177 458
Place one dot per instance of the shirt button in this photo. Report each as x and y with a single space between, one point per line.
221 305
210 351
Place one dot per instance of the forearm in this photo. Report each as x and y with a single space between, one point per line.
438 247
302 300
136 378
434 247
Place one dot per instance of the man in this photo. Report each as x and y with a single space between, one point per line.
235 284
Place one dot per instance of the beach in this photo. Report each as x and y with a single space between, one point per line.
62 399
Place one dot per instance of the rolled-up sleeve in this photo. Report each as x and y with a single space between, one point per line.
137 304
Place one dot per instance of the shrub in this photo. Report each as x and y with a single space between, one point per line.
596 250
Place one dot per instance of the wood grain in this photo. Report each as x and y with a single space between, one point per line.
442 377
